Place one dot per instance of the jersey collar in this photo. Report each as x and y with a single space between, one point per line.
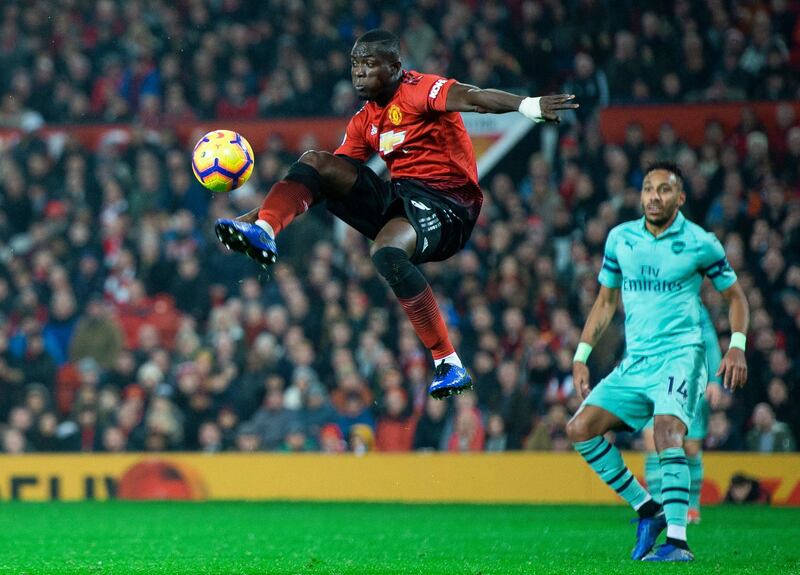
675 228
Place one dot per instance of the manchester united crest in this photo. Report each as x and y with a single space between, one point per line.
395 115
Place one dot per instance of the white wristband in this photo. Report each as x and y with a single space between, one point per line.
738 340
531 109
582 353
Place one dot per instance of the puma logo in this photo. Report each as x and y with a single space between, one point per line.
668 474
629 244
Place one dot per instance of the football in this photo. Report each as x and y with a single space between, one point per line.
222 160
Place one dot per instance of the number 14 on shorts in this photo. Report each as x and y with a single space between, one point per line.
680 390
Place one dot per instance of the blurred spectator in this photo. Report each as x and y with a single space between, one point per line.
210 437
746 489
248 439
467 433
60 327
114 440
589 86
14 441
512 404
235 104
429 432
354 412
769 435
296 440
467 429
778 400
624 67
721 434
38 365
496 438
45 436
331 439
303 380
317 412
271 423
37 399
362 439
395 428
550 432
97 335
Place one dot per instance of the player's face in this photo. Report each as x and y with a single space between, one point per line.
662 197
372 72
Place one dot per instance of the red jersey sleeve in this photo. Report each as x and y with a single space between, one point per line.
429 92
354 143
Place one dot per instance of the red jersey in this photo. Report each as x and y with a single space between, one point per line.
417 137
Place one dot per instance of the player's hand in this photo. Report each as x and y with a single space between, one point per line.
733 369
580 379
713 394
551 105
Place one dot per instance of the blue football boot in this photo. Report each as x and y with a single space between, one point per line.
646 534
666 552
449 379
248 239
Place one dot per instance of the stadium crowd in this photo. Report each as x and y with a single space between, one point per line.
159 61
125 325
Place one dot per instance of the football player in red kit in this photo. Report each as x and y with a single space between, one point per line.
427 210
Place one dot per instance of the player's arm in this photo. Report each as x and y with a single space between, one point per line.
715 266
603 310
713 392
733 367
467 98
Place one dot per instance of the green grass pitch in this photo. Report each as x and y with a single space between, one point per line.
250 538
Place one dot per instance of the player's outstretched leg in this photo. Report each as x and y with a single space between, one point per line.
585 430
315 174
390 254
287 199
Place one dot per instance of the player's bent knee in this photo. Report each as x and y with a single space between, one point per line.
314 158
667 436
336 175
321 161
396 268
578 430
391 262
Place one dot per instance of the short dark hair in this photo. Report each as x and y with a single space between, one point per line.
387 43
667 166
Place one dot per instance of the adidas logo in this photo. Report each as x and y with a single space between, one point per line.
419 205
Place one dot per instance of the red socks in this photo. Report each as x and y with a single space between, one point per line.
423 311
285 201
